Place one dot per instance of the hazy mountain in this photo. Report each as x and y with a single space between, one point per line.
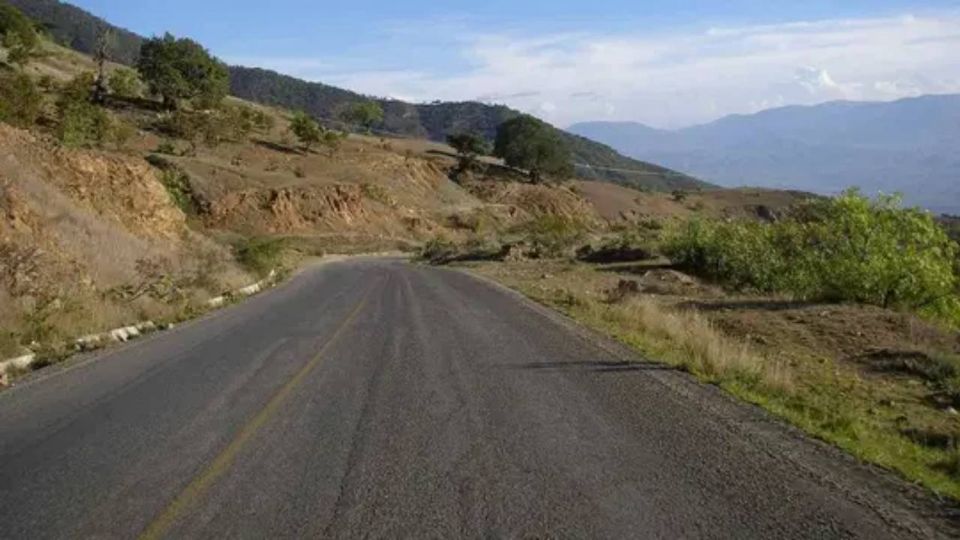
78 29
908 145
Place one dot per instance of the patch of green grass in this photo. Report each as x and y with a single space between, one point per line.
177 184
378 193
261 255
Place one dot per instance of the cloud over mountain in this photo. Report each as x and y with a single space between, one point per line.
673 78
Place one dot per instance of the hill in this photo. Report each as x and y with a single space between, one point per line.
77 29
905 146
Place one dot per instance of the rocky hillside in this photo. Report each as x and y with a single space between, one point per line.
77 29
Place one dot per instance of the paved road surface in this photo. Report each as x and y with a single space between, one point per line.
380 399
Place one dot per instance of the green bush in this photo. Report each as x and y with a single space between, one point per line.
439 250
849 248
17 34
178 186
20 101
261 255
166 147
84 124
553 236
80 121
177 183
124 82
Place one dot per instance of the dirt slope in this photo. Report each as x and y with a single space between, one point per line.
76 226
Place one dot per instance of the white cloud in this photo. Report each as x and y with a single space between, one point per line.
683 77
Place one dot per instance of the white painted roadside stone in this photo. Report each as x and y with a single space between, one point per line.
147 326
126 333
87 343
249 290
119 335
20 362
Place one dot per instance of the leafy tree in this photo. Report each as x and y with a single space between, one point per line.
365 113
306 129
104 39
124 82
178 69
468 147
528 143
18 33
20 101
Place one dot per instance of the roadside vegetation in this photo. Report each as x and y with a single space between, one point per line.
839 316
844 249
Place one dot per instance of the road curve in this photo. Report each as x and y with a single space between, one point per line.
377 398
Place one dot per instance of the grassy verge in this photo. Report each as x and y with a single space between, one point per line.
879 419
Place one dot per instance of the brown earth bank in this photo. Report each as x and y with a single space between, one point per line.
80 230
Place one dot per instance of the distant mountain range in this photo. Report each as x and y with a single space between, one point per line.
79 29
910 146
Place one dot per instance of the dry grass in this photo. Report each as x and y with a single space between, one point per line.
693 342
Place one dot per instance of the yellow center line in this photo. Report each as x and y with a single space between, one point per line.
221 464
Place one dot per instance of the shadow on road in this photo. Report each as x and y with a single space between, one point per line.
595 367
634 267
733 305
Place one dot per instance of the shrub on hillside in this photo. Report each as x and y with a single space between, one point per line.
306 129
261 255
83 124
553 236
80 121
209 127
439 250
17 34
20 101
124 82
849 248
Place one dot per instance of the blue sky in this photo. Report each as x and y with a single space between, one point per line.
664 63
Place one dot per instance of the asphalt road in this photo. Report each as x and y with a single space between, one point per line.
380 399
